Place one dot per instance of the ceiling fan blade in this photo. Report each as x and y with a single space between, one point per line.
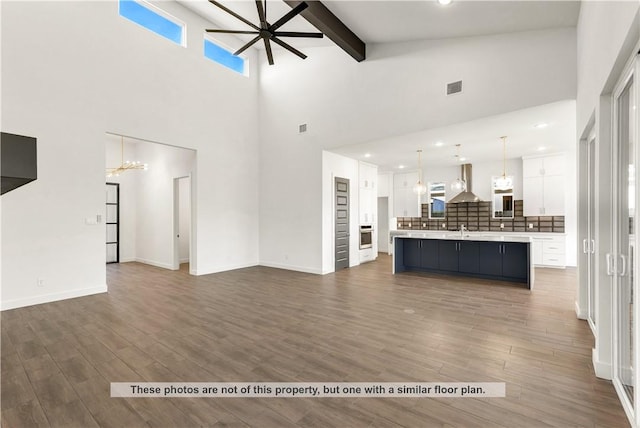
231 31
286 18
298 34
247 46
289 48
267 46
232 13
261 14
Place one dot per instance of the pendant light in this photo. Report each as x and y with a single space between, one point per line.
458 185
504 182
419 188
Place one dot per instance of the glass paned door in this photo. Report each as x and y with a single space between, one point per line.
112 222
625 237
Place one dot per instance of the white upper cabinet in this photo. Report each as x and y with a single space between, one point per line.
384 184
368 175
368 197
405 202
543 185
543 165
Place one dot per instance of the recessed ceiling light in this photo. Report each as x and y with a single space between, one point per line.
542 148
463 159
445 2
367 155
540 125
438 144
401 166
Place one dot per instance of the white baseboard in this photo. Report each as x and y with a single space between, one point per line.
215 269
602 370
580 313
293 267
128 260
52 297
156 264
184 260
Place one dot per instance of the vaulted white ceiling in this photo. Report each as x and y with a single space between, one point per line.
377 22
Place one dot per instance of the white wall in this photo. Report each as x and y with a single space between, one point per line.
72 71
399 89
607 32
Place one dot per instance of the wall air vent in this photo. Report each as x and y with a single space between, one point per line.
302 128
454 87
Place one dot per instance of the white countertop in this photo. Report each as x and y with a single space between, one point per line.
466 236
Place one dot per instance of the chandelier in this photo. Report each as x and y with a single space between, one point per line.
125 165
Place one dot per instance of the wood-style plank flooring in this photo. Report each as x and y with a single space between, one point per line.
268 325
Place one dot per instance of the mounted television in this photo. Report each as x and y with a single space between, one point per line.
19 165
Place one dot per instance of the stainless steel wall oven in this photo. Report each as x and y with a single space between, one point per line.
366 237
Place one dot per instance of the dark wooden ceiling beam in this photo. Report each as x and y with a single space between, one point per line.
320 17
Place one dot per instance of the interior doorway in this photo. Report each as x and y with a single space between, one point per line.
182 222
148 232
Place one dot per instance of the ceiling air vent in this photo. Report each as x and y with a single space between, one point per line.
302 128
454 87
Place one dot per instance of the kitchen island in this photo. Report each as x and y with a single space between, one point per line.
503 258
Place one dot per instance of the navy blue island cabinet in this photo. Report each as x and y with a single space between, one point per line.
499 260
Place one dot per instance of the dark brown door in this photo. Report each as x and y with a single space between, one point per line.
342 223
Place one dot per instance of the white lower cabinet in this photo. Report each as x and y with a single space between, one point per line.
549 251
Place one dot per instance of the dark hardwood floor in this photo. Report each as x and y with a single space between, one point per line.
262 324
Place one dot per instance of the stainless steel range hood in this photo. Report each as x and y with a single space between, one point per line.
467 195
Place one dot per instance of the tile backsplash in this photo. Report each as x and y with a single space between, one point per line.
476 216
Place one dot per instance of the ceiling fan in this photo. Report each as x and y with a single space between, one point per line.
268 32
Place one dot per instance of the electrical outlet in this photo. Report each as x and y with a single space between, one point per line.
444 225
409 224
424 224
530 225
40 282
501 225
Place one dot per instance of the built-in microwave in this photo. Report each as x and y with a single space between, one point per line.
366 237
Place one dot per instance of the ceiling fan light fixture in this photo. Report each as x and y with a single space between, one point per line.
266 31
